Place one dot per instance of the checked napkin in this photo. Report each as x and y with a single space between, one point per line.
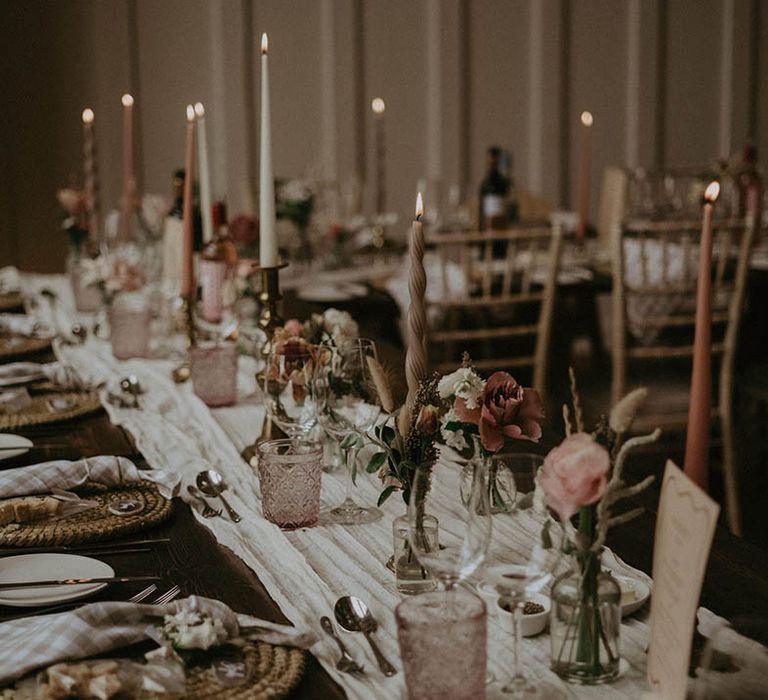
64 474
37 642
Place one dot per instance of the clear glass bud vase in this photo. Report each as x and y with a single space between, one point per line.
412 578
585 623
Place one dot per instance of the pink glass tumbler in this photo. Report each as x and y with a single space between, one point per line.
213 368
129 332
289 474
442 639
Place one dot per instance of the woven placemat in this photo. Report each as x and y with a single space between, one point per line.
96 524
39 411
16 345
11 301
257 671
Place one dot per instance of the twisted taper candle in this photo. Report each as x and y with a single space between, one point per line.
416 355
91 174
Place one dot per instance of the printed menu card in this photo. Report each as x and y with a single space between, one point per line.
684 529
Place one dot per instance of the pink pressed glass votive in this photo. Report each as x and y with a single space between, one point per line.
129 332
213 370
442 639
289 473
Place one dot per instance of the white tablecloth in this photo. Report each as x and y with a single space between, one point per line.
307 570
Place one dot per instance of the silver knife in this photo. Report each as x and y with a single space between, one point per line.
86 547
75 581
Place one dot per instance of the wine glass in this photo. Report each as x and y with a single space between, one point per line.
466 532
348 406
287 382
522 558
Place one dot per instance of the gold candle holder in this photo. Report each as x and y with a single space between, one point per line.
269 317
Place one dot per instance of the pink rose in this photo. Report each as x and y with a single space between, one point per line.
575 474
293 327
73 201
507 410
129 278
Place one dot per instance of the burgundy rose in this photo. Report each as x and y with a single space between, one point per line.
244 230
507 410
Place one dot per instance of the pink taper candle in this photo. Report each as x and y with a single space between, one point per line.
90 174
187 274
416 354
700 407
585 164
129 181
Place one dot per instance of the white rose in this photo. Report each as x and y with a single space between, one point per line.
465 384
339 324
454 439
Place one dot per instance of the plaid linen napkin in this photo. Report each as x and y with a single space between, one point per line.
37 642
64 474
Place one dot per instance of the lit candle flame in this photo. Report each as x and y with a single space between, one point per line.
190 113
127 100
587 119
419 207
712 191
199 109
88 116
264 43
378 106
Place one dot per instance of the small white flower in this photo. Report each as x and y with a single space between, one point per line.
295 191
463 383
454 439
339 325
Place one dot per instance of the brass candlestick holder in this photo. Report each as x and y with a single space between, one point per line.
182 372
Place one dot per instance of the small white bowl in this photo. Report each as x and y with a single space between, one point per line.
531 624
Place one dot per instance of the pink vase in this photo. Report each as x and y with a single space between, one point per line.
129 332
214 372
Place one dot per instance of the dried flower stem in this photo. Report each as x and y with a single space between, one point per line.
567 420
576 401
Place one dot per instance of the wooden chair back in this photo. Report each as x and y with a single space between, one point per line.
507 297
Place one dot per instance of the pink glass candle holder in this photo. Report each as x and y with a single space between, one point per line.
213 370
290 473
442 639
129 328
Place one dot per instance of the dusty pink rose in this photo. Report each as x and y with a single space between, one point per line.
244 230
507 410
575 474
293 327
73 201
129 278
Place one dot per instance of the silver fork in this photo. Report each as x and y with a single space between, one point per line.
168 596
208 512
140 596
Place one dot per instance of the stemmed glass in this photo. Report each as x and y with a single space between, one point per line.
466 532
287 383
348 407
521 561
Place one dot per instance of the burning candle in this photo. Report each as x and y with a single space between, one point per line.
416 355
90 173
205 176
584 170
129 183
187 275
378 108
267 229
700 406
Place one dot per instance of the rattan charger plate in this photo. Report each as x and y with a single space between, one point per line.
11 301
14 346
97 523
40 411
257 672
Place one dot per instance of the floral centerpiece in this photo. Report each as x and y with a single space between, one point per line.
584 477
113 277
295 201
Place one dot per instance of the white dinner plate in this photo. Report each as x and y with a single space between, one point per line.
45 567
11 440
332 292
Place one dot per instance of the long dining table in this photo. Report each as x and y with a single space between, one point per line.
736 580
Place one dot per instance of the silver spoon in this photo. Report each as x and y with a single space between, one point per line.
211 483
208 512
346 664
354 616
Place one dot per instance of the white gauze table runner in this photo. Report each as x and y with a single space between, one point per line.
306 571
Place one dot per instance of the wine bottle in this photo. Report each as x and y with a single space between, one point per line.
494 191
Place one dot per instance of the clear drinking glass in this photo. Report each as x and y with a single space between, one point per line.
521 561
348 407
287 386
213 368
129 327
442 639
289 474
464 544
